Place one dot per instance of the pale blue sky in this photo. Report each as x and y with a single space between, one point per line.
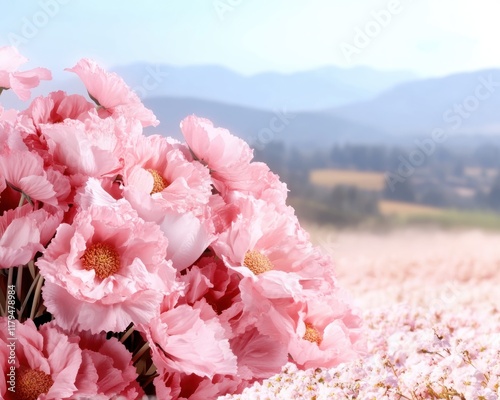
428 37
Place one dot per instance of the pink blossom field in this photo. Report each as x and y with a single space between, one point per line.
430 303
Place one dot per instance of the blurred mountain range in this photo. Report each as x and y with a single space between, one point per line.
315 108
259 127
467 103
302 91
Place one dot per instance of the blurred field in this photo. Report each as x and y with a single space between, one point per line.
389 207
336 177
416 266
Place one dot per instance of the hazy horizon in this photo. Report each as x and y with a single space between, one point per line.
250 37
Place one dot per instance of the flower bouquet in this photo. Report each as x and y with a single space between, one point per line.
136 265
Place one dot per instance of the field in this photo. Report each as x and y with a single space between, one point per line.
398 208
334 177
430 302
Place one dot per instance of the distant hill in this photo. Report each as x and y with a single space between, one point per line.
467 103
302 91
331 104
303 128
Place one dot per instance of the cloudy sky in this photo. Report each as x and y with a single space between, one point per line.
428 37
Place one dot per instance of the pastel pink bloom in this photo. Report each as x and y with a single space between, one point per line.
106 369
89 148
19 82
259 328
176 385
259 355
215 147
55 108
24 172
263 245
188 236
222 213
24 232
106 270
229 159
227 156
190 340
327 331
9 116
10 137
109 91
158 176
210 280
46 361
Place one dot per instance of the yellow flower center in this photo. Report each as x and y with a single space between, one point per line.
313 335
102 258
30 384
159 183
257 262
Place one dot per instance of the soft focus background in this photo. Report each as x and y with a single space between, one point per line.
382 116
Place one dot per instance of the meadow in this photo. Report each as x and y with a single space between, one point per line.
430 302
360 179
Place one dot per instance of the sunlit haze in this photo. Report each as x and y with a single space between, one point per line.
429 38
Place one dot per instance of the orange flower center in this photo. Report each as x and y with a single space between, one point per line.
159 183
102 258
257 262
313 335
30 384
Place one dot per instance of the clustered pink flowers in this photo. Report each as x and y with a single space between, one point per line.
180 262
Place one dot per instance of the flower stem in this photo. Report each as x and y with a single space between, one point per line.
128 332
36 297
19 281
25 302
21 200
149 380
31 267
140 352
2 311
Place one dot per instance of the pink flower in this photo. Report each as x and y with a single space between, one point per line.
19 82
8 116
106 369
24 172
211 280
46 362
327 332
229 159
264 244
158 176
188 236
24 232
55 108
259 355
110 92
10 138
226 155
191 340
177 385
106 270
215 147
84 149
